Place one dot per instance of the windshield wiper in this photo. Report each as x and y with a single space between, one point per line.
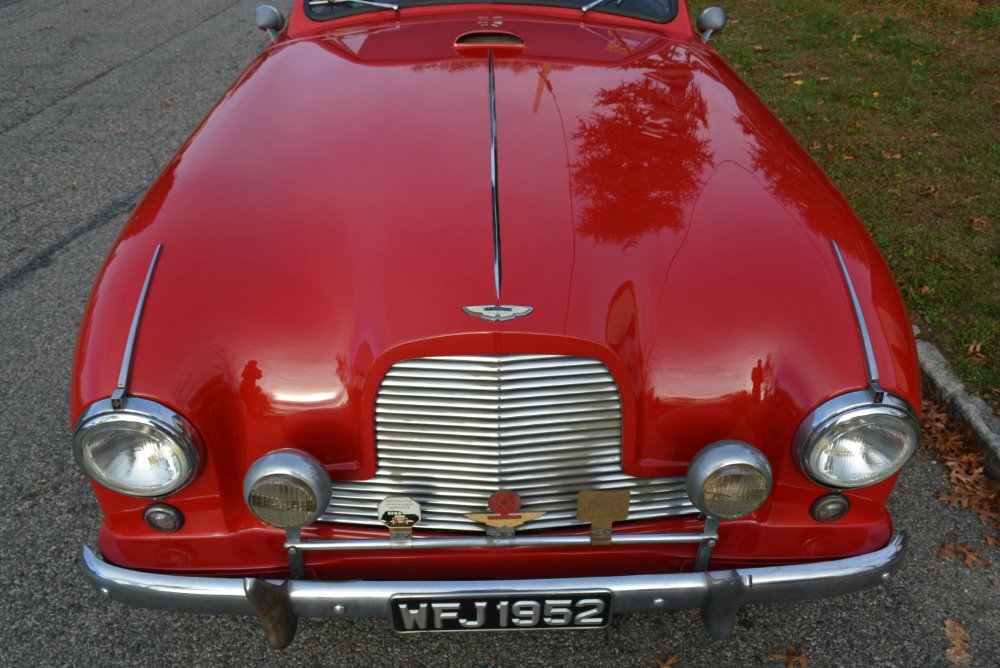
367 3
591 5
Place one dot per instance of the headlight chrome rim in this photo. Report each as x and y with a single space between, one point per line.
839 412
144 415
296 465
725 458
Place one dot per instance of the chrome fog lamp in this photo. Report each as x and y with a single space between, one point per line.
144 449
729 479
852 441
287 489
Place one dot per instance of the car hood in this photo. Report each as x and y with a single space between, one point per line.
333 215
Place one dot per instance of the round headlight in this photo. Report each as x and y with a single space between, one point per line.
287 489
729 479
144 449
852 442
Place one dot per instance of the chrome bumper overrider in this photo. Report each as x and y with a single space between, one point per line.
717 593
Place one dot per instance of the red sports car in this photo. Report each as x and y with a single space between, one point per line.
492 316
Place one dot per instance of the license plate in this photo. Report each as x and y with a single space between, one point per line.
513 612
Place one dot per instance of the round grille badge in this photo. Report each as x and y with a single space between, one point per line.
398 512
505 503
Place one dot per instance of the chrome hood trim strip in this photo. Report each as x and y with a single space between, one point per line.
866 339
497 270
123 375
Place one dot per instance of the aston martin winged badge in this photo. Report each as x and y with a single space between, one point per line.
504 516
497 312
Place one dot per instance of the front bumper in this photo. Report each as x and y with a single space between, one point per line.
719 594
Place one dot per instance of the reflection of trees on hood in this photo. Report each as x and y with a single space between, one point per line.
640 154
792 177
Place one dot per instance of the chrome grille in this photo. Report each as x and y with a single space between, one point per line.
450 431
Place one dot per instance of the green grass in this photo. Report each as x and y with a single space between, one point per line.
899 101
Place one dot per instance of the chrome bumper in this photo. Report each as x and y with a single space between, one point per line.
717 593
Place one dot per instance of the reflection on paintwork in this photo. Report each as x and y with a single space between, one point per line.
641 153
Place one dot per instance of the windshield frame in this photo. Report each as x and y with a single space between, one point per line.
671 7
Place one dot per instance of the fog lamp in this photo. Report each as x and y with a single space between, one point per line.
287 489
163 518
830 508
729 479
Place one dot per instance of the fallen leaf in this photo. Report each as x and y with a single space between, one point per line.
975 353
824 78
959 653
955 499
876 94
973 560
166 103
798 82
925 289
977 223
992 540
889 155
849 157
759 47
660 662
931 191
791 75
947 552
792 656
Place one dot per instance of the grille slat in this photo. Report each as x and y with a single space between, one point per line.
451 431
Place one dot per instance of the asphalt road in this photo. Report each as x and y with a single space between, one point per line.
95 96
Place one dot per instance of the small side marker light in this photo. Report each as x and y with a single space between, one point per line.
163 518
830 508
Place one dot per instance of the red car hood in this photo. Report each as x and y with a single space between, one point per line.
333 215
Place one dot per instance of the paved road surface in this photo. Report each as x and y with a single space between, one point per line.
95 96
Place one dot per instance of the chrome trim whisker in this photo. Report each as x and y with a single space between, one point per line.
866 339
126 369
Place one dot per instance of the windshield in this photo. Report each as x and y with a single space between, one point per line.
659 11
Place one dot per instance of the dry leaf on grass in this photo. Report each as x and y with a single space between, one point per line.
975 353
959 654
